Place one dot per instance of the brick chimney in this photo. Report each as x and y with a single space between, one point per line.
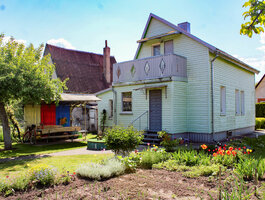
106 62
185 26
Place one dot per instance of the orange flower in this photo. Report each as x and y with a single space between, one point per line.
214 154
234 153
228 152
204 146
74 173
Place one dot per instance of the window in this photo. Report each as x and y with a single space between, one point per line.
242 95
127 101
156 50
222 100
110 108
168 47
237 102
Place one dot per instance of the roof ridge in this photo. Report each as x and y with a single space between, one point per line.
79 51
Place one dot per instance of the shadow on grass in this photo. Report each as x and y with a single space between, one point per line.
27 149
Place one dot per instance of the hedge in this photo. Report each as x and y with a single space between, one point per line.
260 123
260 110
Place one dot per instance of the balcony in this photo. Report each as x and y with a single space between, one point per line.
150 68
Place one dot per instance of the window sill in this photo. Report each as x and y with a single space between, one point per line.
126 113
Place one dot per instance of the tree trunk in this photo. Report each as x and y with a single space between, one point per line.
6 128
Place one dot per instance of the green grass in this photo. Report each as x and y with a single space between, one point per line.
62 163
27 149
1 134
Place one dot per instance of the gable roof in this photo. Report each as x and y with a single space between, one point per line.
84 69
179 30
260 81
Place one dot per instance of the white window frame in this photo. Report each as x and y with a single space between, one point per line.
122 103
237 102
242 100
222 100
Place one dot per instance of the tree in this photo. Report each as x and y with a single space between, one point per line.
256 17
25 76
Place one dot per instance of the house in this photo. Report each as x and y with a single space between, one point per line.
260 90
87 73
181 84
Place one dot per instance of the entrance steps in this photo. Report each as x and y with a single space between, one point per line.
151 137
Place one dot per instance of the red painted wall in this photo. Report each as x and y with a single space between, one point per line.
48 114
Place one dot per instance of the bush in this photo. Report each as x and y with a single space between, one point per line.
201 170
123 140
167 142
96 171
260 109
9 185
260 123
43 174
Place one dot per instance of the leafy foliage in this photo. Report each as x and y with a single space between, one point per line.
167 142
96 171
260 109
256 17
123 140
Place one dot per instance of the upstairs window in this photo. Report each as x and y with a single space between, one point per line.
222 100
127 101
156 50
237 103
168 47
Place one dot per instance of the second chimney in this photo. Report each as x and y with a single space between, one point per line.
106 62
185 26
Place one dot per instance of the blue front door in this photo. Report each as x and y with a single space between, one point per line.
155 110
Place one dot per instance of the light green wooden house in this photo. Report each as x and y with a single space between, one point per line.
181 84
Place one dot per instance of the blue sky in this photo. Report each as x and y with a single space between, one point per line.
85 24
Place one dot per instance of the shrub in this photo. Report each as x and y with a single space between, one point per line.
96 171
201 170
260 123
43 174
167 142
9 185
260 110
123 140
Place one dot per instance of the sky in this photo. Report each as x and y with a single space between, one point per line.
85 24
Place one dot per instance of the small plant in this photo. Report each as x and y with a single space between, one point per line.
151 157
96 171
167 142
123 140
43 174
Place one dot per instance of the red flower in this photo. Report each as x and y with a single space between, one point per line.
244 147
135 151
248 152
7 176
235 148
228 152
154 149
244 152
209 149
214 154
73 173
231 148
224 145
239 148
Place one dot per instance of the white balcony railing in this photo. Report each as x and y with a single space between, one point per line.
150 68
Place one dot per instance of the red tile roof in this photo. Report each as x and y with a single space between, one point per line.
84 69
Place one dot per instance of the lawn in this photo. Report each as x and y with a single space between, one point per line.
27 149
62 163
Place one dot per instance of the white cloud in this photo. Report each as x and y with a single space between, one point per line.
6 38
61 43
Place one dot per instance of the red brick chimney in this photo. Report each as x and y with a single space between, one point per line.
106 62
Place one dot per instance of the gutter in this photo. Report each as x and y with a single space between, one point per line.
114 105
212 92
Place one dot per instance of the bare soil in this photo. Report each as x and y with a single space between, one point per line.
142 185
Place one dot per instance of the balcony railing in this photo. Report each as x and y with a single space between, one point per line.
150 68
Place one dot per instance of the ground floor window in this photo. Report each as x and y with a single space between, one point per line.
127 101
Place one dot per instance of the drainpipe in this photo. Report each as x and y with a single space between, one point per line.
212 90
114 106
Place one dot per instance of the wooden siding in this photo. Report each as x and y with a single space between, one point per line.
156 28
174 66
32 115
260 91
233 78
104 104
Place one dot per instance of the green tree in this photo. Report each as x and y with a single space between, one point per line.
25 76
255 16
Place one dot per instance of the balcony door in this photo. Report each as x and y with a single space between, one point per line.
155 110
168 47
